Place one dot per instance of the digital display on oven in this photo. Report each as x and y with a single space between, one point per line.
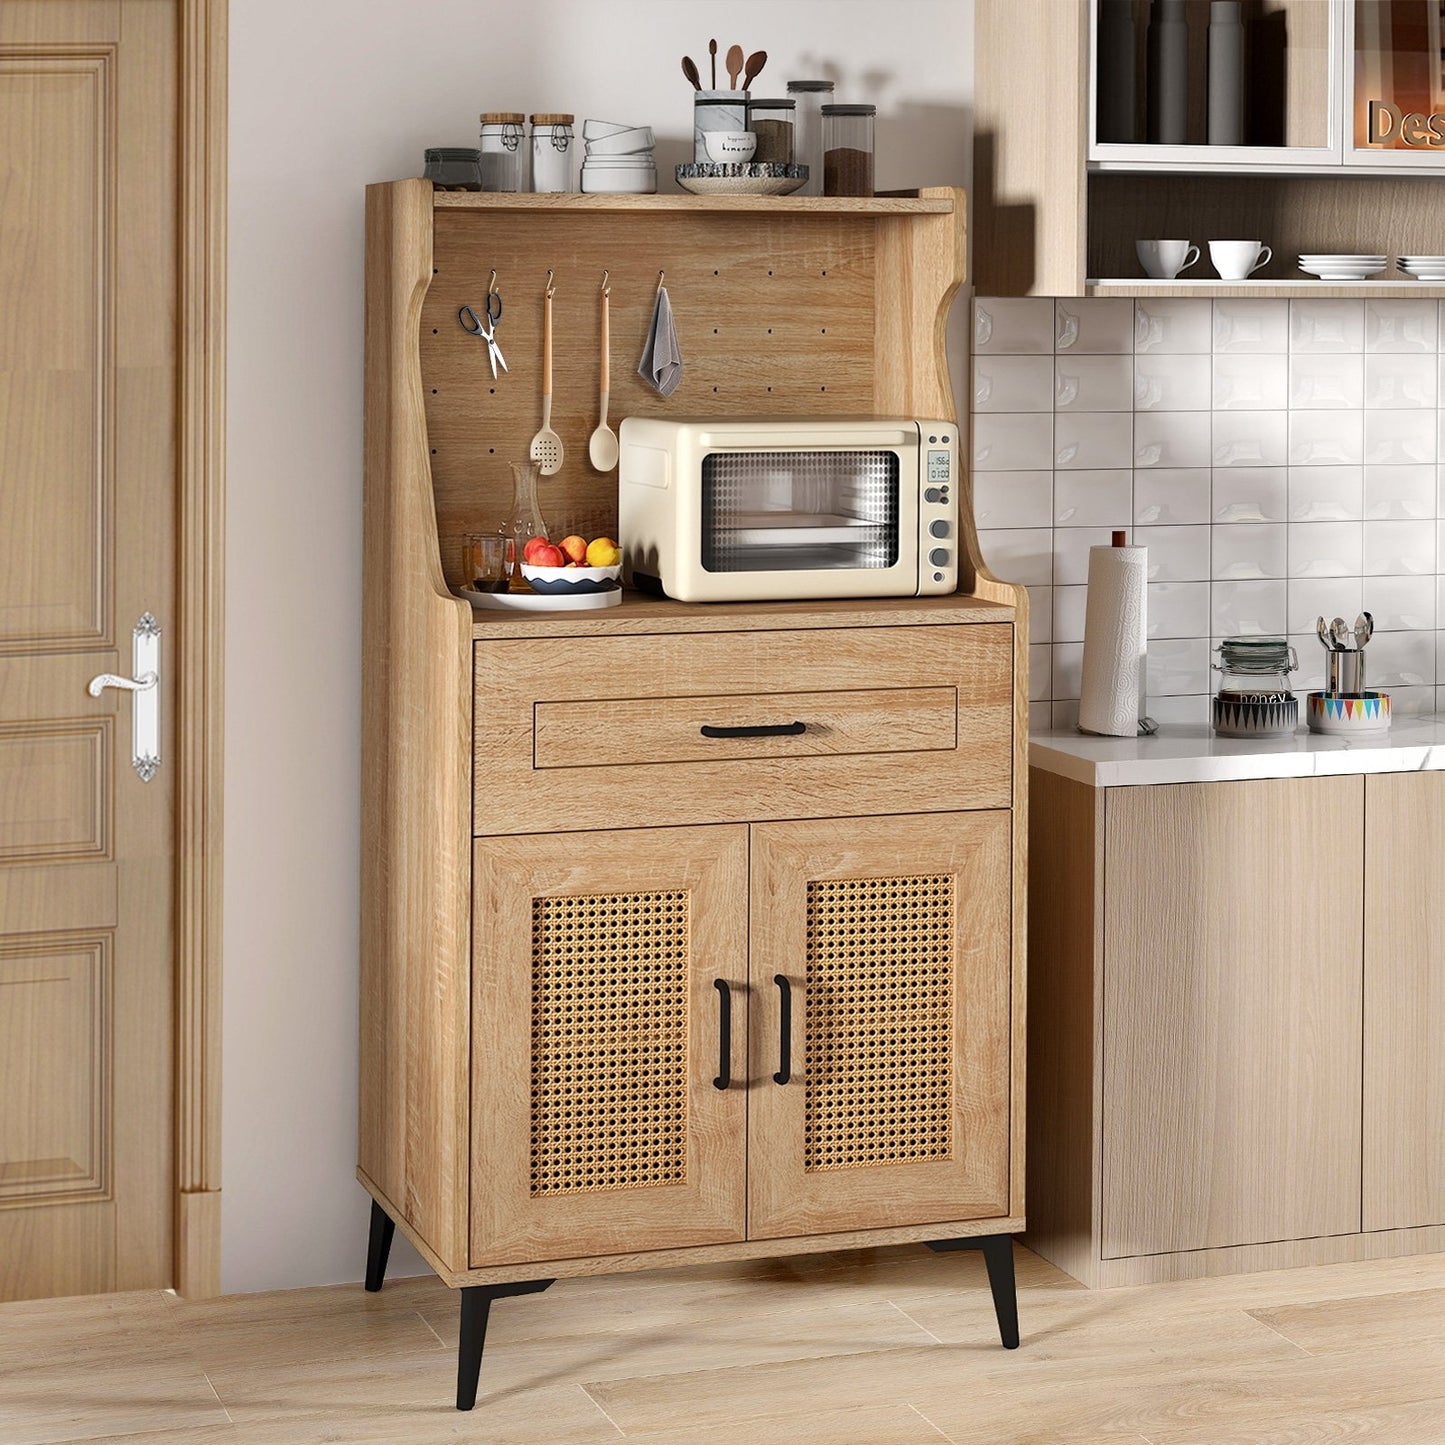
938 466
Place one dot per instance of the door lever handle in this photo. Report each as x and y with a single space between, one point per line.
104 680
145 698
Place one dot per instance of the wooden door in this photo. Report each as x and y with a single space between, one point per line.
88 116
598 1126
1232 980
892 938
1404 1121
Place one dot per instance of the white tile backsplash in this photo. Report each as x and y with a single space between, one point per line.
1010 383
1093 499
1092 441
1171 383
1094 383
1282 460
1171 438
1400 325
1249 383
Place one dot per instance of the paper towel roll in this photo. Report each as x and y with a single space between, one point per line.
1115 682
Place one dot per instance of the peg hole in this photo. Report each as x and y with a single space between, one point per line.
433 331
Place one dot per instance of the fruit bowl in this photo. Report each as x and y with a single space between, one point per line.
569 581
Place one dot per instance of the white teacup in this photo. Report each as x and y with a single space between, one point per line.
1234 260
727 146
1164 260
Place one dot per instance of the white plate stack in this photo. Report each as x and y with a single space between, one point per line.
619 159
1424 268
1342 268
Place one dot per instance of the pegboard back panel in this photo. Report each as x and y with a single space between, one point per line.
776 316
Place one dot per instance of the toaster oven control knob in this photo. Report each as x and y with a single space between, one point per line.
938 528
939 557
932 494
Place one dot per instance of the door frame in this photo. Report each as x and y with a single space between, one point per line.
198 628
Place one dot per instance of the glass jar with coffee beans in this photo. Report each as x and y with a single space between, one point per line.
772 122
848 149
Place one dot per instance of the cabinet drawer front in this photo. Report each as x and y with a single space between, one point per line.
671 730
608 732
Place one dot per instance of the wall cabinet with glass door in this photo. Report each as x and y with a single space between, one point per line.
1334 124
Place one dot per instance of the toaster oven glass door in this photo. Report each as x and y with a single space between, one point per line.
800 511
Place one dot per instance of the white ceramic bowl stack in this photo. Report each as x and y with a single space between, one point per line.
1424 268
619 159
1342 268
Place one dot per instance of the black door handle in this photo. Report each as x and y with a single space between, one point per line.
724 1035
761 730
785 1030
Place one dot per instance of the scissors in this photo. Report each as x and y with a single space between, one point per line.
485 326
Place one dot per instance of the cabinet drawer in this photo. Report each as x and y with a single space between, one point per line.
609 732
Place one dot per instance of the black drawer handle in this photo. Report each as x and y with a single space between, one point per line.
763 730
785 1030
724 1035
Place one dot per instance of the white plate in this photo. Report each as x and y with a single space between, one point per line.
1338 256
536 602
1328 273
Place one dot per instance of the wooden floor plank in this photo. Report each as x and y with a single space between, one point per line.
874 1347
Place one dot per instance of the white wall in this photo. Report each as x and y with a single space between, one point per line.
327 95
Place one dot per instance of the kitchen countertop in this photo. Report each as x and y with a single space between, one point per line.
1180 754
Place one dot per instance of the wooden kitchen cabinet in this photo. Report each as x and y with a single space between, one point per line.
1404 1080
1235 1000
1231 1014
576 904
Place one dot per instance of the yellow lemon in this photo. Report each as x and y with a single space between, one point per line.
603 552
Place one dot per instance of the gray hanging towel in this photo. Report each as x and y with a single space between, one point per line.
661 366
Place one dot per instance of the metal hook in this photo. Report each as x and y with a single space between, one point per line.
660 275
606 289
492 285
551 289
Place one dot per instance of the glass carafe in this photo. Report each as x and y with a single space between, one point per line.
524 519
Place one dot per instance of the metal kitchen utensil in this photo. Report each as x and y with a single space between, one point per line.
712 51
1364 624
602 447
1324 633
546 447
1341 632
689 69
756 61
734 65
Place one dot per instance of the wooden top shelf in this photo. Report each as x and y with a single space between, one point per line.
640 614
899 205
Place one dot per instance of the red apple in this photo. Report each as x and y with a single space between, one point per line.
574 548
534 545
545 556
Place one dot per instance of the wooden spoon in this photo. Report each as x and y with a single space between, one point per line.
735 64
712 50
689 69
756 61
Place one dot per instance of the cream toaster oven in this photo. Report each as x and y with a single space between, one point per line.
736 510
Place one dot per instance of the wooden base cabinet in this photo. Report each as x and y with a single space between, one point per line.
689 934
1235 996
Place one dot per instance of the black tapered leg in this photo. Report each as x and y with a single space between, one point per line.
378 1248
998 1259
476 1307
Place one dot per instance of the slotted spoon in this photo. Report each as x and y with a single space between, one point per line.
546 448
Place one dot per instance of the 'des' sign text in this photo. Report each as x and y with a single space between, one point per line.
1389 122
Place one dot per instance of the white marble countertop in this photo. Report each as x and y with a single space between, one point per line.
1178 754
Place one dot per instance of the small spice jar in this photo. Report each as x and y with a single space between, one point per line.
552 153
503 159
451 168
716 110
810 96
772 122
848 149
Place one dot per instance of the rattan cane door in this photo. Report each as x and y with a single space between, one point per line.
597 1126
892 938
